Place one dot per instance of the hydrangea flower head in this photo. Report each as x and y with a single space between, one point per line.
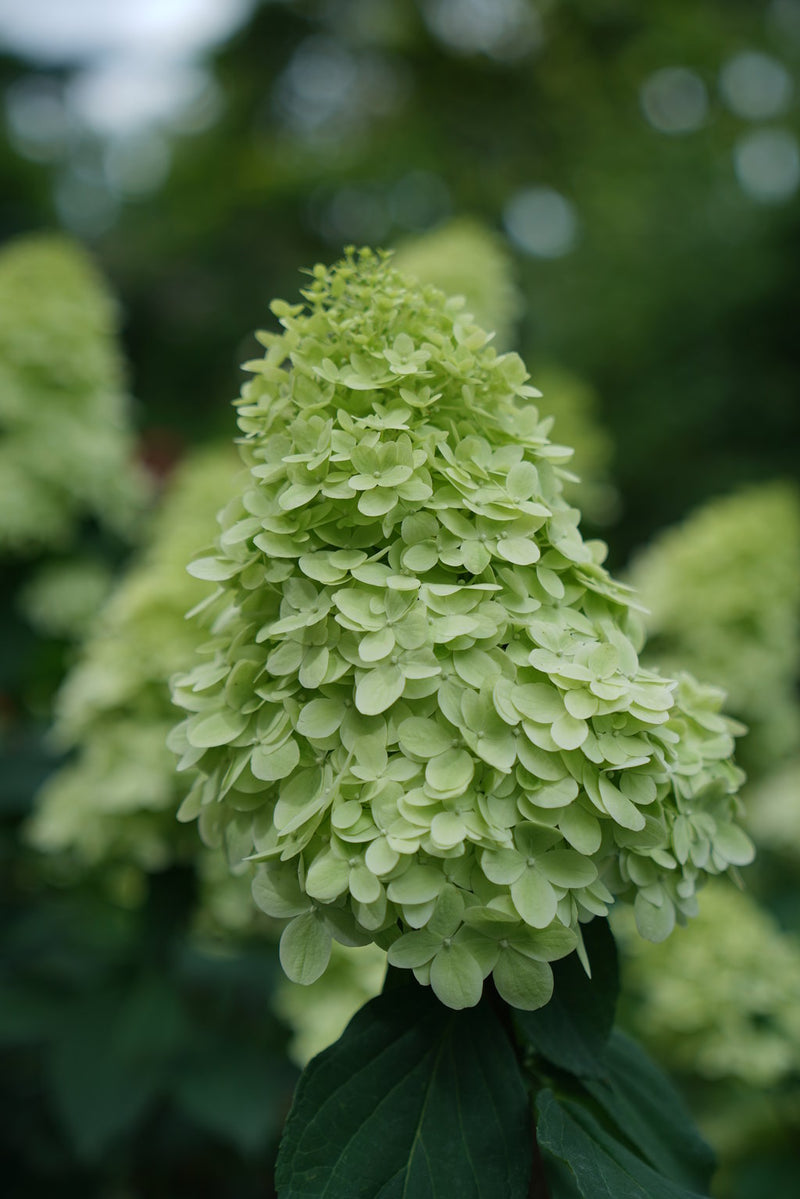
722 591
66 443
421 709
720 998
114 799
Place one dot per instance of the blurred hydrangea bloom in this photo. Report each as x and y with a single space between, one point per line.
66 448
63 597
723 593
719 999
421 707
115 798
773 809
464 258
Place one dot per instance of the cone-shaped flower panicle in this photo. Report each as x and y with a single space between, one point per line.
421 709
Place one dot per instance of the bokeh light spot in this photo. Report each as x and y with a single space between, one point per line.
755 86
674 100
503 29
541 222
767 165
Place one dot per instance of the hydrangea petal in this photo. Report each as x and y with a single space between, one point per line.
305 948
456 978
523 982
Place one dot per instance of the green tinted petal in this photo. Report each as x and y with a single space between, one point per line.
413 949
545 945
502 866
378 689
521 981
520 550
556 795
375 646
456 978
447 913
379 858
451 772
581 829
364 887
619 807
277 892
327 877
538 702
314 667
569 733
215 728
534 898
580 704
320 718
270 763
655 923
447 829
305 948
734 845
419 884
424 738
567 868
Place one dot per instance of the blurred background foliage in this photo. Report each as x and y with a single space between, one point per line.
615 188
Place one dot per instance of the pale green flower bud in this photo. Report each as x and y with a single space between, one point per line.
421 709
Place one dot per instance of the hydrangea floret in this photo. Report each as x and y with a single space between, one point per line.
420 709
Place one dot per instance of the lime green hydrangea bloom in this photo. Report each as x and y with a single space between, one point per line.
723 593
464 258
66 447
719 999
116 797
421 708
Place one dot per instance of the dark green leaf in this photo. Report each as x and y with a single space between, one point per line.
601 1167
413 1100
651 1114
572 1030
